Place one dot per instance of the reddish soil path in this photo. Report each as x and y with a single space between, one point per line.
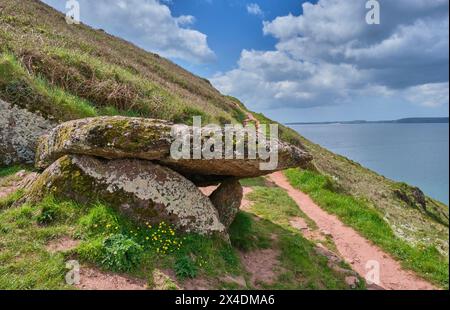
355 249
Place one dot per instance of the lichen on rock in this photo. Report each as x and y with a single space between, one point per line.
149 139
139 189
127 162
109 137
19 132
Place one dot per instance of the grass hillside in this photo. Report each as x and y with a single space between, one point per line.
73 71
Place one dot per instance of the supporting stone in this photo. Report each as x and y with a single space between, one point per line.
227 200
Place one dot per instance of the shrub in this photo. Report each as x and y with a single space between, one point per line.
121 253
48 214
187 114
229 256
185 267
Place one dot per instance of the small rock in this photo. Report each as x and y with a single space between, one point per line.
21 173
19 131
374 287
298 223
332 257
326 233
239 280
352 281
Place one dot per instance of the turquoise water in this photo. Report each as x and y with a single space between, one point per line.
417 154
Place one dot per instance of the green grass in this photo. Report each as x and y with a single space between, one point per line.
108 241
7 174
114 86
301 267
34 92
361 215
161 246
72 106
112 243
25 262
10 170
259 181
10 199
269 225
242 234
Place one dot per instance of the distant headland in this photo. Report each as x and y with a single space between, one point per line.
412 120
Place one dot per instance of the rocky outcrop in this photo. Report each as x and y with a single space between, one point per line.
227 200
19 132
108 137
124 137
127 162
289 156
413 197
139 189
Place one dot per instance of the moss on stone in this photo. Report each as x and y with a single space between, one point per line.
108 137
140 190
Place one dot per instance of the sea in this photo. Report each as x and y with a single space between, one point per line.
417 154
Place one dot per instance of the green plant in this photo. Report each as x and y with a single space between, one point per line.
52 211
36 93
9 200
47 215
10 170
229 256
121 253
241 234
187 114
185 267
99 220
258 181
91 250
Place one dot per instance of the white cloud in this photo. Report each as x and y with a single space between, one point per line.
254 9
185 20
330 55
430 95
149 24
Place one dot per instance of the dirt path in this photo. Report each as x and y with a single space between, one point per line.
12 183
355 249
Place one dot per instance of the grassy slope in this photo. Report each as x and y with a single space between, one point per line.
422 257
67 72
111 243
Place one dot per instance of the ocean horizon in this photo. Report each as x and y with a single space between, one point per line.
417 154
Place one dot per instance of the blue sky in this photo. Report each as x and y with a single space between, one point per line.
297 60
230 28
